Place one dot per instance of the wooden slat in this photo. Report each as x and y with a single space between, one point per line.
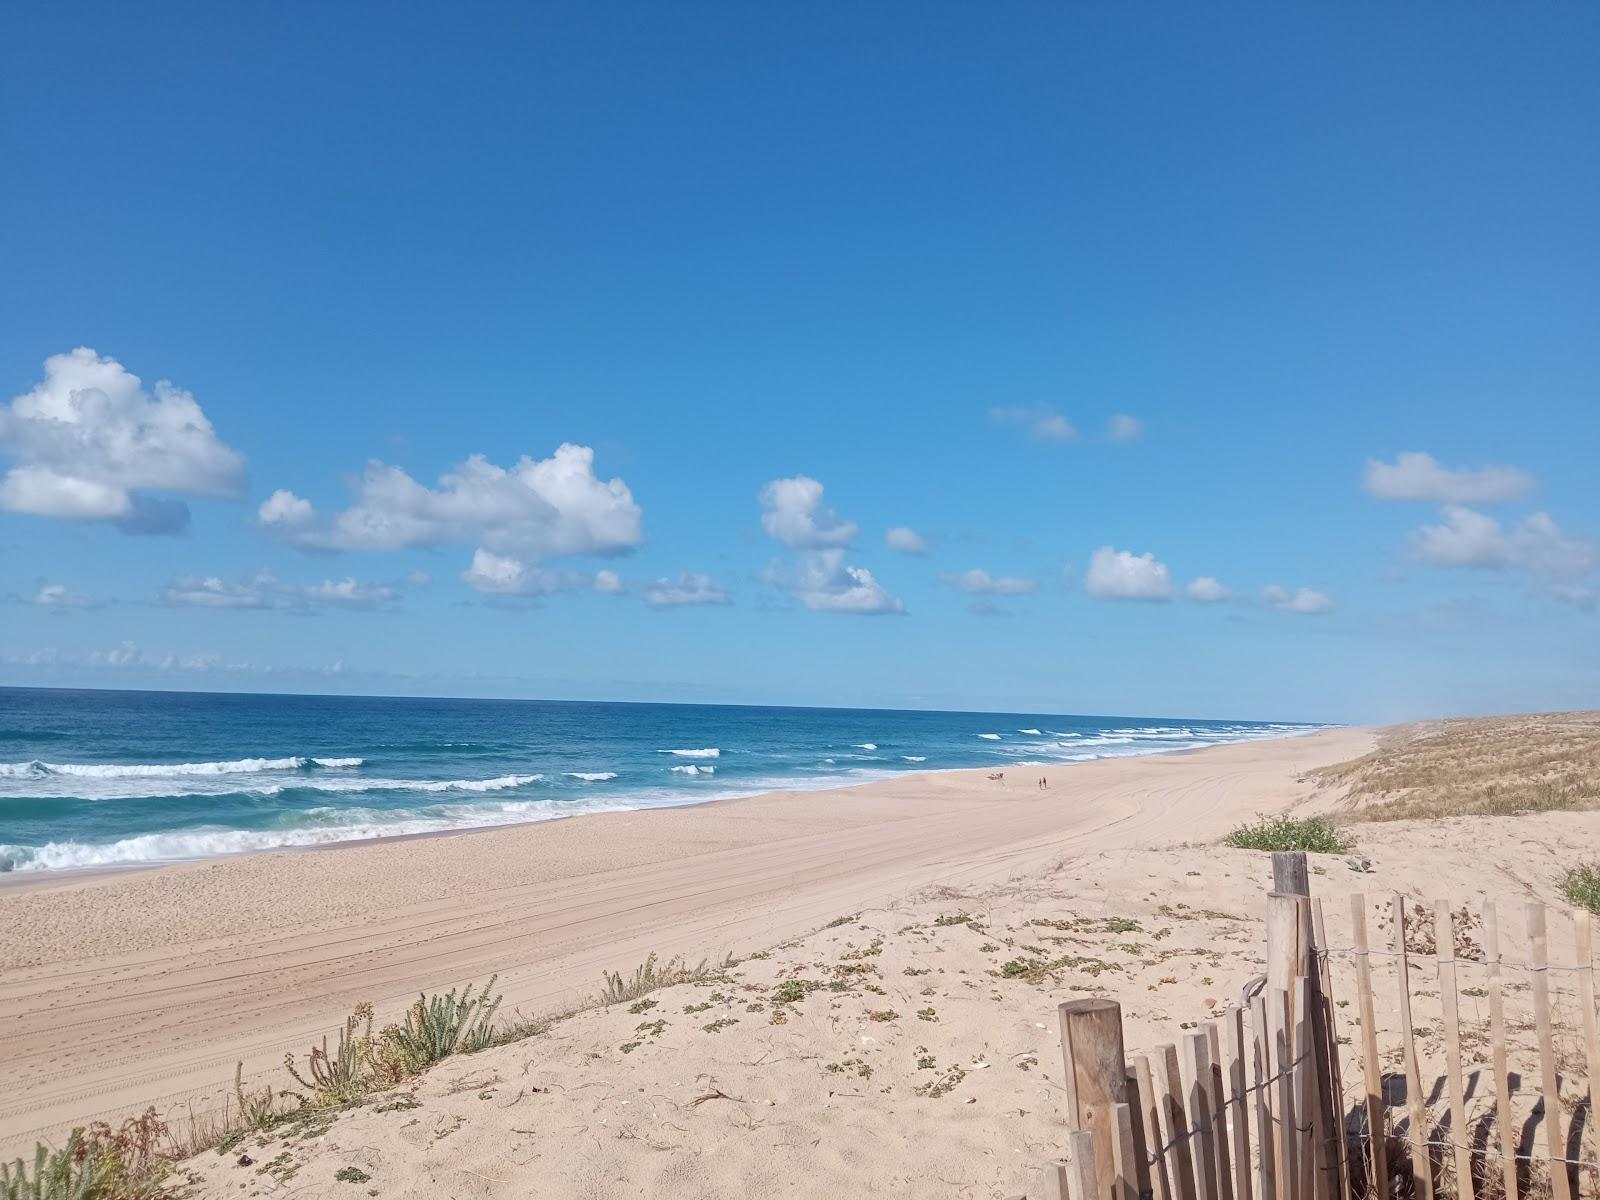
1421 1168
1444 937
1371 1065
1539 964
1307 1112
1125 1172
1081 1171
1097 1076
1053 1182
1333 1082
1197 1095
1238 1105
1266 1175
1497 1040
1283 1145
1141 1140
1180 1145
1154 1128
1219 1112
1583 930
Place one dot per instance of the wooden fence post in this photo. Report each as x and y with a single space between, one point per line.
1583 931
1197 1097
1421 1164
1371 1065
1266 1174
1097 1080
1497 1039
1539 965
1444 939
1155 1129
1083 1174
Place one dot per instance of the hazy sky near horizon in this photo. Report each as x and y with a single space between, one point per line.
1153 360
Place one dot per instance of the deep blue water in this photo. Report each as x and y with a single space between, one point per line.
90 778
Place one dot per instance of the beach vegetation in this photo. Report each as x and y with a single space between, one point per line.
1580 887
652 975
97 1163
1315 835
1484 766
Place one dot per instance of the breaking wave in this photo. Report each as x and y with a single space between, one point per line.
694 770
592 776
236 766
709 752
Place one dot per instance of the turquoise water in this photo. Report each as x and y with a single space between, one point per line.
94 778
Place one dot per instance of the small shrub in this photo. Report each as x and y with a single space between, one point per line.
351 1175
650 976
1580 887
97 1163
1316 835
435 1028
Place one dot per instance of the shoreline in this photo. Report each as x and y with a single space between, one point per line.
181 972
26 879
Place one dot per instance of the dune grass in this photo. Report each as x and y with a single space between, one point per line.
1316 835
1491 766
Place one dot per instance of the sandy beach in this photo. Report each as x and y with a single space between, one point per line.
128 989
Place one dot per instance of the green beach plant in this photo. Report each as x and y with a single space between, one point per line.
650 976
1580 887
344 1075
1316 835
438 1026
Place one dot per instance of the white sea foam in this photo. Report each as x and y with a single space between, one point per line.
497 784
1034 732
867 746
592 776
990 737
709 752
915 757
691 769
236 766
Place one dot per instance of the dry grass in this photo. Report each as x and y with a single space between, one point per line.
1487 766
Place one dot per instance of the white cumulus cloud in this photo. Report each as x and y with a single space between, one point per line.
60 596
1308 601
1419 476
1123 428
978 582
688 588
907 541
1207 590
264 590
506 575
534 508
823 582
792 512
1122 575
90 444
1041 422
1536 544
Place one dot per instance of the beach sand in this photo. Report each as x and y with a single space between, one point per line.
126 989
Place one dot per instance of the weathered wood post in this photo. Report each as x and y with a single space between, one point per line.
1097 1080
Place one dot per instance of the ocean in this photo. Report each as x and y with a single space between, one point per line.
106 778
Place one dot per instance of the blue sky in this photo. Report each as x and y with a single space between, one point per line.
927 259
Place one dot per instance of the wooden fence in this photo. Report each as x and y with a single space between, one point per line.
1287 1095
